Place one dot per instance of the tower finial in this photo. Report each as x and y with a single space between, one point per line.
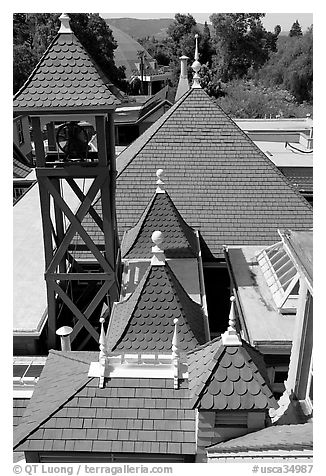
158 254
175 354
65 23
230 336
103 353
196 66
159 182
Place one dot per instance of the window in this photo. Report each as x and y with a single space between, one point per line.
20 131
281 276
234 419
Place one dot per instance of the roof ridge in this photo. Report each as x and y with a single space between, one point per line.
148 134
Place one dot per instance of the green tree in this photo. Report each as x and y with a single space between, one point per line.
206 49
241 43
277 30
243 98
291 67
33 32
295 29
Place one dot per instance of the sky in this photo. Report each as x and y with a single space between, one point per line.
286 20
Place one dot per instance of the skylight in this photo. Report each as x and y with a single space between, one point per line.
281 276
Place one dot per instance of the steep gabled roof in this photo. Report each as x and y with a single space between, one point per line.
144 321
66 78
69 412
160 214
218 178
228 378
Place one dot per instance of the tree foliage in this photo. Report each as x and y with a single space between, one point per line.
241 43
291 67
295 29
249 98
33 33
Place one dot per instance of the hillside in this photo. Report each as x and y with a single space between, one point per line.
143 28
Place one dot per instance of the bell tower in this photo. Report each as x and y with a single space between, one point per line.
68 97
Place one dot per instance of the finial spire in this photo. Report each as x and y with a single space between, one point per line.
158 253
65 23
175 354
159 182
103 353
230 336
196 66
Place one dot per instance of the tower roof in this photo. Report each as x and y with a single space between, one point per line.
179 239
144 321
228 377
66 78
219 179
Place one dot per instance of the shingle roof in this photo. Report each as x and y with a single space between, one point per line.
144 321
66 78
161 214
18 409
218 179
128 415
20 170
63 375
228 378
283 437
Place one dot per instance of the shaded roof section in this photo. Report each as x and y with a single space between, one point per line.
228 378
21 165
283 437
128 415
144 321
179 239
220 181
66 78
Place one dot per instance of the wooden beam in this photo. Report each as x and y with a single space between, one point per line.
101 140
38 141
77 227
70 233
51 136
81 197
74 309
60 231
78 276
92 306
73 171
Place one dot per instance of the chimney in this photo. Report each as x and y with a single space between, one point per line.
183 85
64 333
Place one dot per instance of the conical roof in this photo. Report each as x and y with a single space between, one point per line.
225 377
144 321
66 78
179 239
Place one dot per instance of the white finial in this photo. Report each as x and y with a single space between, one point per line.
158 254
230 337
65 23
196 66
159 182
103 353
175 354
